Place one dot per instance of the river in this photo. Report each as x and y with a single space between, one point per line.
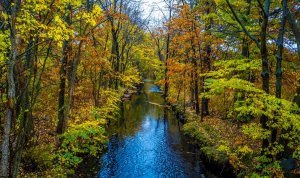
147 142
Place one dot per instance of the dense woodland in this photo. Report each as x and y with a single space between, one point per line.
230 67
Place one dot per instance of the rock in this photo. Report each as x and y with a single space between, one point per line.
127 96
289 164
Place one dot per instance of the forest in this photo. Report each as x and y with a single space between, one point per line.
75 77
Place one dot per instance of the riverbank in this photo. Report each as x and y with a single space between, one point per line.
222 144
54 155
205 137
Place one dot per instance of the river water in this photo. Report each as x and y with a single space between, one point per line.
147 142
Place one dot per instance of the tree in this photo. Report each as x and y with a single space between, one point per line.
12 12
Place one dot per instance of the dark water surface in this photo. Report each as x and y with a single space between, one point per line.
147 143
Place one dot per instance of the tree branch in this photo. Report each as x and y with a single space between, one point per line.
242 25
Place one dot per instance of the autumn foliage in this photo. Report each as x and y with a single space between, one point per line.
230 67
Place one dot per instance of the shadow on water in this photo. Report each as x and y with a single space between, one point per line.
147 142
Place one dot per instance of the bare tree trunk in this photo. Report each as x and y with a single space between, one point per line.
166 68
207 60
295 29
5 144
195 71
11 93
297 96
167 84
280 50
72 78
115 54
192 90
24 113
61 125
196 85
265 64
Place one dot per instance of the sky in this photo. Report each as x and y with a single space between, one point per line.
153 9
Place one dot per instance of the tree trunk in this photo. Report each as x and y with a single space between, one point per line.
279 60
61 125
207 60
192 90
265 65
196 88
5 144
195 71
166 68
115 55
167 54
295 29
72 78
24 111
297 96
11 93
245 48
280 50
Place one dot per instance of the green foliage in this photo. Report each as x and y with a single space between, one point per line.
131 77
266 167
235 68
110 107
218 86
282 115
207 138
255 131
193 131
4 46
250 104
239 157
87 138
145 55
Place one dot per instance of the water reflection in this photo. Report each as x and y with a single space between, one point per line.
147 143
